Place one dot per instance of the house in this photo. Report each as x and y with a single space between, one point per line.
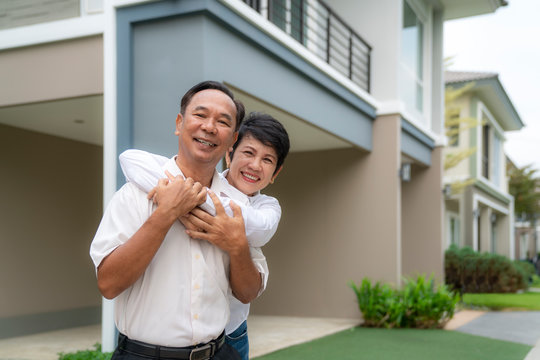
481 216
359 86
527 229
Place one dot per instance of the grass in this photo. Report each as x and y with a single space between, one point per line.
391 344
523 301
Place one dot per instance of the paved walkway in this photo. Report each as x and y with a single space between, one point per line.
267 334
271 333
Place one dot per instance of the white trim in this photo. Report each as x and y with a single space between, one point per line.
512 234
52 31
253 17
477 198
494 188
449 216
108 329
483 109
397 107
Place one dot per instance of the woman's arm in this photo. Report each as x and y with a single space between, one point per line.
142 168
261 218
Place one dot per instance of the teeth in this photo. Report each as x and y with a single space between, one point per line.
205 142
251 177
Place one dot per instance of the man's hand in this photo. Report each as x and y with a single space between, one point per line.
177 196
224 231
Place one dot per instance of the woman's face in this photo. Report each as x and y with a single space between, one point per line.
252 166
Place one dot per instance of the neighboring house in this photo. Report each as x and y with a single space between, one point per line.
359 86
481 216
527 232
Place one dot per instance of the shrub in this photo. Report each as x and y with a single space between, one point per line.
86 354
468 271
419 304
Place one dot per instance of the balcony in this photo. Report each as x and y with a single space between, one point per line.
313 24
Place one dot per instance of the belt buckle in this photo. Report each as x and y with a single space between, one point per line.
201 353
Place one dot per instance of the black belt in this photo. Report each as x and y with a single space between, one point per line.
197 352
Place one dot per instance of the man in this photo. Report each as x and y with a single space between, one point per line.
171 290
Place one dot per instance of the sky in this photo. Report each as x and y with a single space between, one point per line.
506 42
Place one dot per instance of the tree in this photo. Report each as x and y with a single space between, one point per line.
525 187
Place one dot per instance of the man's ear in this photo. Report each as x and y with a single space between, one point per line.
179 120
276 174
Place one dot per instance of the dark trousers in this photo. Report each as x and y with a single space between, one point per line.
226 352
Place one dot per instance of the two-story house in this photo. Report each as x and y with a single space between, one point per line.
481 215
358 85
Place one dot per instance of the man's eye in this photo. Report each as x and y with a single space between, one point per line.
247 152
269 161
224 122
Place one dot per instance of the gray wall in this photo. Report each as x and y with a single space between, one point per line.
51 206
171 55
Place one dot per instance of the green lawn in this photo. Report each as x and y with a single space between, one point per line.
525 301
384 344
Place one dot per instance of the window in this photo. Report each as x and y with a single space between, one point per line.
493 233
412 59
523 246
485 151
453 230
497 160
289 16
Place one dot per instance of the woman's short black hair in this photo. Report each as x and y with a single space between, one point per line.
216 85
267 130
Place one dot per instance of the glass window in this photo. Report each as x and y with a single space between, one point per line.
453 227
485 151
412 50
497 155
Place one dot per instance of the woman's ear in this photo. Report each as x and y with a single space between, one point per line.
228 157
276 174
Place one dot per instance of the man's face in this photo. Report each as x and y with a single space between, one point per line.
252 166
206 130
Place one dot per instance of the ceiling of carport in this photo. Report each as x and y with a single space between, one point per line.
81 119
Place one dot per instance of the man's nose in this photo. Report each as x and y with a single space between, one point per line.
209 126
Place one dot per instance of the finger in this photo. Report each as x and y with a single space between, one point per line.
152 193
169 175
201 196
236 209
198 235
201 215
162 182
190 182
198 223
217 203
187 223
197 186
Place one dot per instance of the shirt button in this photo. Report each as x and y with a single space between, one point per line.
197 256
196 287
196 316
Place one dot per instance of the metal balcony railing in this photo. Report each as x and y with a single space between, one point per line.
318 28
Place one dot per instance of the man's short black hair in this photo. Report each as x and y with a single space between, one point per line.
267 130
216 85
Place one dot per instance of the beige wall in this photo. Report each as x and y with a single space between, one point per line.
340 223
51 206
57 70
422 220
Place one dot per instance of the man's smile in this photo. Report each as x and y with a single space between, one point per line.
205 142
